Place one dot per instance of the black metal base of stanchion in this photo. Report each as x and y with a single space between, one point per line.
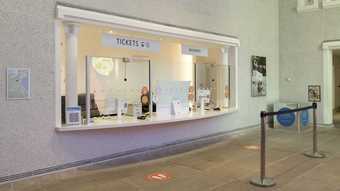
312 154
266 182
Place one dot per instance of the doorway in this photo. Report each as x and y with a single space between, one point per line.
336 86
328 82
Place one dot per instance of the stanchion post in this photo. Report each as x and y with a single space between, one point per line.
263 181
298 122
315 137
315 153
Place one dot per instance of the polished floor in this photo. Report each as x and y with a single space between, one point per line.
226 166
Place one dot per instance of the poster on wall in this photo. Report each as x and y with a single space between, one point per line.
314 93
18 83
258 76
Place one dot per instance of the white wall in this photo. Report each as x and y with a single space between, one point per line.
301 59
28 140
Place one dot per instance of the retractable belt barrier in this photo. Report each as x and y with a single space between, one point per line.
264 181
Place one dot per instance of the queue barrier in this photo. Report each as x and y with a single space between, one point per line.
264 181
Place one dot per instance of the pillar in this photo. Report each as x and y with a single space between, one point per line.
224 56
327 88
222 78
71 31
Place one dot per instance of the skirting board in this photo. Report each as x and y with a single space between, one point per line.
129 157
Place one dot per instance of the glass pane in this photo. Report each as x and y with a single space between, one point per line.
212 83
117 79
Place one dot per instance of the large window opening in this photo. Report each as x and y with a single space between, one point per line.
114 77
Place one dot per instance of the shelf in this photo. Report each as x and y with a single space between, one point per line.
126 121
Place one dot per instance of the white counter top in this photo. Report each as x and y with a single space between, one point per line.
126 121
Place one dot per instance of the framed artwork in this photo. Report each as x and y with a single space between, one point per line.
258 76
307 5
330 3
18 83
314 93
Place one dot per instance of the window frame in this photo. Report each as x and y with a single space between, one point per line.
85 16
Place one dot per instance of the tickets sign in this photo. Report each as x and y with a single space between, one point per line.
111 41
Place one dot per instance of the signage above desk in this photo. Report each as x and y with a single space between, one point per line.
194 51
111 41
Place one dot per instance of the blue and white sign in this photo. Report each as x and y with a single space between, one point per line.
111 41
286 120
194 51
73 115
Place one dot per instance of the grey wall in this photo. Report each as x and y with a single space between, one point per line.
28 140
301 36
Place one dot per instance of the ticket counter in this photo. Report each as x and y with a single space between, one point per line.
120 72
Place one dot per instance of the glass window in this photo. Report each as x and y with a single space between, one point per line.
124 83
119 84
213 84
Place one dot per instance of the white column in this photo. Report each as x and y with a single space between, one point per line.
233 62
57 46
224 60
222 77
327 87
71 31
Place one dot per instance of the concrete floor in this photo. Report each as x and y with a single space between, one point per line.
225 166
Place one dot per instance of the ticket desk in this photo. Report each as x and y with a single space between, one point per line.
128 121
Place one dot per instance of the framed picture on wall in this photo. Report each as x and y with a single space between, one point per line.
314 93
307 5
18 83
258 76
330 3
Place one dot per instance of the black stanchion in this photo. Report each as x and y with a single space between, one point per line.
315 153
263 181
